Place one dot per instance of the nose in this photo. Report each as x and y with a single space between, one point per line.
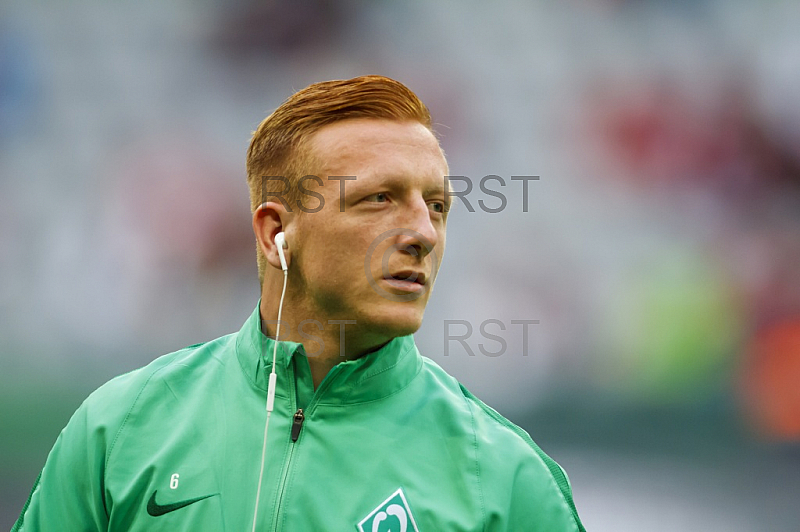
423 236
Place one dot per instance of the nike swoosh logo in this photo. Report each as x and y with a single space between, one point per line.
155 509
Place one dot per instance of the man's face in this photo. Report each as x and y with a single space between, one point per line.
350 268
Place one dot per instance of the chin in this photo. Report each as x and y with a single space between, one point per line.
398 323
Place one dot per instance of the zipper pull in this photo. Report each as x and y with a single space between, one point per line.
297 424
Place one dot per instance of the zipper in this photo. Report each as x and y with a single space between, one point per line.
287 464
297 424
283 487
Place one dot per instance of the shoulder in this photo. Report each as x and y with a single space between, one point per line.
518 480
484 419
109 405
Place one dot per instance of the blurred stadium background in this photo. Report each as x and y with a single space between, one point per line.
660 250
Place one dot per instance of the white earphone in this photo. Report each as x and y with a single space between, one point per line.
280 241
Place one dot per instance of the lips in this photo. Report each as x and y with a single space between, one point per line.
407 281
410 276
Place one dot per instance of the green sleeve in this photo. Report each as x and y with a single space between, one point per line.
523 488
561 510
68 495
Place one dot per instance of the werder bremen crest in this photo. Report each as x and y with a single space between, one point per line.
392 515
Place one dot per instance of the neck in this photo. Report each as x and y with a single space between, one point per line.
327 341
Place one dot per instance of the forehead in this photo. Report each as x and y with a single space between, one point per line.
360 145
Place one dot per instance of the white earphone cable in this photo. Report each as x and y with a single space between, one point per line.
273 377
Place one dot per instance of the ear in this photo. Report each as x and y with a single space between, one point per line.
269 219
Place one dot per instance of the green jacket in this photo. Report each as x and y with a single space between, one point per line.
387 442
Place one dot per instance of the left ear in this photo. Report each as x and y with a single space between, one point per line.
269 219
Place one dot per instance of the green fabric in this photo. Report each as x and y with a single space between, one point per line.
388 438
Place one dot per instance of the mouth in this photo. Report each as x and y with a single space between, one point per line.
407 280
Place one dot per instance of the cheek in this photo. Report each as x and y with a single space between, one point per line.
338 261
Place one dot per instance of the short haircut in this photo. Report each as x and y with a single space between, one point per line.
277 149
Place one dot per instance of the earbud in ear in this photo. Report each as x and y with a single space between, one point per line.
280 241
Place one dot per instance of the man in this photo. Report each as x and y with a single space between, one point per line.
365 433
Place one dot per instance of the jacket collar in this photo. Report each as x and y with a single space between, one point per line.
371 377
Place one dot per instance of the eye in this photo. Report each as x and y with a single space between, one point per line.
437 207
380 197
